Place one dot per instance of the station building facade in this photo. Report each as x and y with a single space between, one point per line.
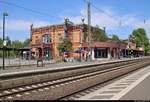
46 39
114 50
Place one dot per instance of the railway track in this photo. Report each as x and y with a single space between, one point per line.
62 87
12 80
77 95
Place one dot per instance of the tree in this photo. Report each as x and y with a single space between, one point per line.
8 41
14 44
65 45
8 44
85 35
1 45
141 39
26 43
98 35
1 42
17 44
115 38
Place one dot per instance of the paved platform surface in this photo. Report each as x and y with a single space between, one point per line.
50 66
135 86
54 66
19 61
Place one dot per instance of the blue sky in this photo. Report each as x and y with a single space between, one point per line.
131 14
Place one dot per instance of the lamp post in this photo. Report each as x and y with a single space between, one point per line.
31 28
4 42
89 30
81 39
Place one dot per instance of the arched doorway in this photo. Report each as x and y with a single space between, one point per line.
47 53
38 52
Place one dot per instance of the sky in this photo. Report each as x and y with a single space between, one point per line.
120 17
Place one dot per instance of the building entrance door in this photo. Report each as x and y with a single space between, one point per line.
47 53
38 53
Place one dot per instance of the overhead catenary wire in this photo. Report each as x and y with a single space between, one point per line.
104 12
100 10
30 10
57 17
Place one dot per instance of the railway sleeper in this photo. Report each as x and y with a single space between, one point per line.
73 87
11 83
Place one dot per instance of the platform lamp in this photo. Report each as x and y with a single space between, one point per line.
4 41
81 39
31 28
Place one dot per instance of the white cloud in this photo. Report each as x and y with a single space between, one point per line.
145 25
22 25
97 18
77 19
113 21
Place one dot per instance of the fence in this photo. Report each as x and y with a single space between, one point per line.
18 62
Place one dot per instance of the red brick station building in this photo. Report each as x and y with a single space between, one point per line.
46 39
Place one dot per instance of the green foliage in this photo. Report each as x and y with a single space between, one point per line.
17 44
1 42
26 43
141 39
85 35
65 45
14 44
20 44
8 42
98 35
115 38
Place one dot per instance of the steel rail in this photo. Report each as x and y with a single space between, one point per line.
54 75
66 80
49 70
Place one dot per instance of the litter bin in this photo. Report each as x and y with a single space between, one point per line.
40 63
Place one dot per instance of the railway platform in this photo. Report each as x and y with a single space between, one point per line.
55 66
135 86
61 82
